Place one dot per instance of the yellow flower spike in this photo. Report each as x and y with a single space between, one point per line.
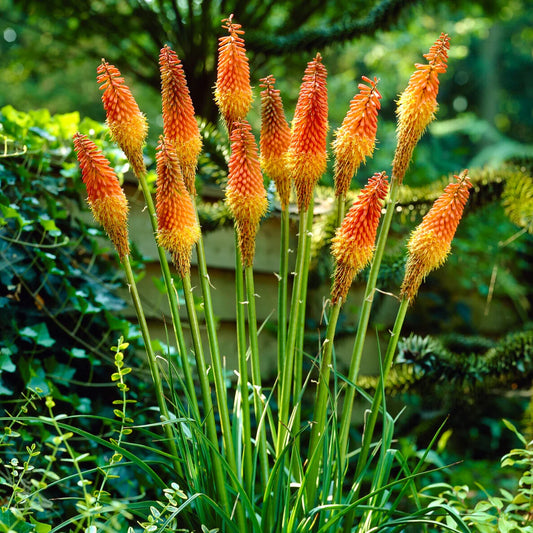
245 193
306 156
179 123
233 92
275 138
178 229
105 196
417 104
356 138
430 242
353 244
127 124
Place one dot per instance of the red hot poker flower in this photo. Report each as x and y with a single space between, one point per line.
275 138
127 124
105 196
430 242
233 93
418 103
245 192
178 228
306 156
179 124
353 244
356 138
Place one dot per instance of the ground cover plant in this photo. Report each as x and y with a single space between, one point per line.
204 456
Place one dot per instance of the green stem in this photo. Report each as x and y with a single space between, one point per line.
256 374
376 404
218 374
216 359
286 371
172 300
205 391
378 396
152 362
321 403
364 317
283 285
341 208
299 352
243 371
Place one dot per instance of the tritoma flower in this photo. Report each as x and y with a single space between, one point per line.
275 138
179 123
233 92
245 193
353 244
178 228
306 156
105 196
356 138
430 243
418 103
127 124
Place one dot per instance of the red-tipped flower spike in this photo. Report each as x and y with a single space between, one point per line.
233 93
418 103
104 194
430 242
245 192
353 244
275 138
356 138
127 124
179 124
306 156
177 226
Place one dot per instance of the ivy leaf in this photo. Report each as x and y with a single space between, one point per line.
6 365
49 225
39 334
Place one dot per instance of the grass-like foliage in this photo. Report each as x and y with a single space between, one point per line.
204 453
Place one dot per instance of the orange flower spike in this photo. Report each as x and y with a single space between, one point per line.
245 193
353 244
179 124
275 138
356 138
430 242
418 103
233 92
105 196
178 228
306 156
127 124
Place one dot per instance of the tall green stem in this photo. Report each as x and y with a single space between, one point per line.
216 362
299 351
376 404
378 396
287 369
243 371
256 374
152 362
172 300
341 208
363 323
283 285
321 402
206 392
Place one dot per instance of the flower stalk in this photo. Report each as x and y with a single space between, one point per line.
274 141
109 206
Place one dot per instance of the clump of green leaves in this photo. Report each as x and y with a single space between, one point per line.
57 285
509 512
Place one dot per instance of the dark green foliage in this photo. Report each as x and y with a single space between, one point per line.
57 279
